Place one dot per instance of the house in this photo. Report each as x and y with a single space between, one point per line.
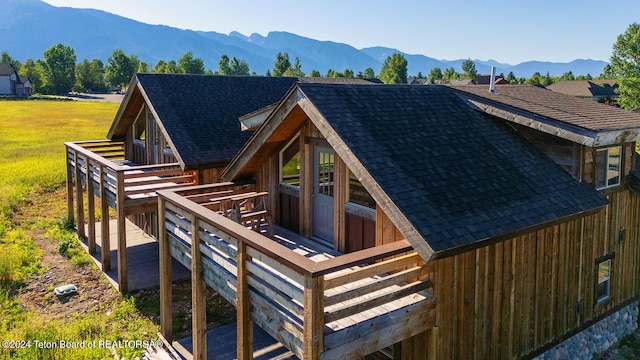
593 90
486 80
13 84
170 131
467 224
23 87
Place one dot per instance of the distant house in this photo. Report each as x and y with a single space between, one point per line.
11 83
486 79
593 90
23 87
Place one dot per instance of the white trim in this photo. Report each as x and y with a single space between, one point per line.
606 168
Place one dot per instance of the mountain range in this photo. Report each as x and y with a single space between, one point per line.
34 26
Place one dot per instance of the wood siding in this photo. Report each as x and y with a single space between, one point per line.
360 233
517 297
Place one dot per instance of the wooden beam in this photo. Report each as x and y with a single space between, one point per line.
91 211
432 343
70 214
79 202
244 323
104 222
123 281
166 303
341 196
198 298
313 333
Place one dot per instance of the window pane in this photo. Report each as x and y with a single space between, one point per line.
291 165
613 171
604 280
600 165
358 194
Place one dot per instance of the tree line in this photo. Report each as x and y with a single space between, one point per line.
58 72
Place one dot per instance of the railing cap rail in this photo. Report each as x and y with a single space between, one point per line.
281 253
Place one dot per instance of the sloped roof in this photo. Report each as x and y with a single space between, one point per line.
586 88
449 177
486 80
199 113
6 69
340 80
562 115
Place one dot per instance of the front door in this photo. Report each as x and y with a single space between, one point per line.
323 194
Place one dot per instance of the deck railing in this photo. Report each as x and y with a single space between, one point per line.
303 303
104 162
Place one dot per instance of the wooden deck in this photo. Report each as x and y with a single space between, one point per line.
142 249
221 345
99 169
317 303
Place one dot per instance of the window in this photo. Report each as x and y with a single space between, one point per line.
290 163
603 289
358 194
608 164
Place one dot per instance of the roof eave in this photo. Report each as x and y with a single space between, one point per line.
576 134
254 119
515 233
112 134
269 126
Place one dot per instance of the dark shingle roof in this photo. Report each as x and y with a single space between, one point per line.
457 175
559 107
6 69
200 113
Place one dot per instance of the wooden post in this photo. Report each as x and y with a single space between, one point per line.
104 222
166 303
91 210
80 204
244 323
70 215
432 343
198 299
123 280
313 332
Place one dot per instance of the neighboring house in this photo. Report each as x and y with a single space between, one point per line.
486 79
12 84
8 79
23 86
594 90
468 224
170 131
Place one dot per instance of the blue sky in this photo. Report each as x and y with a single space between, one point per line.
509 31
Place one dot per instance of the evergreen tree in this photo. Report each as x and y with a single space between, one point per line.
394 70
369 74
435 75
190 65
281 65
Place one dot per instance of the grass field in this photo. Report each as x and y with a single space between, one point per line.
32 164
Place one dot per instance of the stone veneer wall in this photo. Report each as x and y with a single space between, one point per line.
597 338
